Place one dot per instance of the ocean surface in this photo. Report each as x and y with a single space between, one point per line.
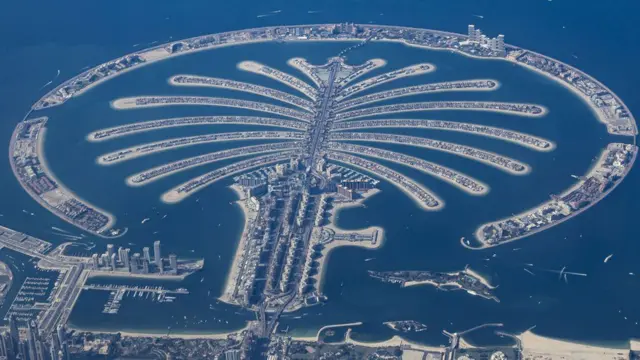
601 307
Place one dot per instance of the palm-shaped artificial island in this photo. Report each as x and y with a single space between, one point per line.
316 157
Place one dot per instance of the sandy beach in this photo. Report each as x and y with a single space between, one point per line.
425 170
234 270
386 109
479 233
411 70
317 337
534 345
395 341
303 87
152 125
61 191
348 105
245 89
368 124
326 250
137 151
174 195
297 62
421 204
176 169
497 166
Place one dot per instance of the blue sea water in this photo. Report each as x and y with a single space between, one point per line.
598 40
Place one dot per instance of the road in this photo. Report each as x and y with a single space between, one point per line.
323 114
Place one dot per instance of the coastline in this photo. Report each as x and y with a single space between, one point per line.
319 277
451 182
479 237
349 106
396 340
326 327
129 181
363 85
536 344
255 68
175 195
379 110
152 334
134 152
45 167
234 270
526 171
122 274
200 121
421 204
131 103
172 82
552 145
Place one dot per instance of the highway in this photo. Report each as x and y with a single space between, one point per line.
323 113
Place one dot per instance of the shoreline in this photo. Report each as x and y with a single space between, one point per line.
319 277
129 181
172 82
552 145
526 171
134 152
451 182
396 340
536 344
174 195
403 73
379 110
39 148
421 204
122 274
121 130
131 103
231 278
326 327
295 63
478 237
168 334
350 106
255 67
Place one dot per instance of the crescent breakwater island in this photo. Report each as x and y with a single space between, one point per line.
28 162
291 190
605 175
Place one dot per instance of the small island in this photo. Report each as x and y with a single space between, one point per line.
406 326
467 279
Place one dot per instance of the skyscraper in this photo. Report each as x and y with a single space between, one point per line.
113 261
173 262
61 332
157 255
95 262
472 32
125 260
32 338
121 254
145 266
5 341
65 351
110 250
500 44
146 253
13 330
135 262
